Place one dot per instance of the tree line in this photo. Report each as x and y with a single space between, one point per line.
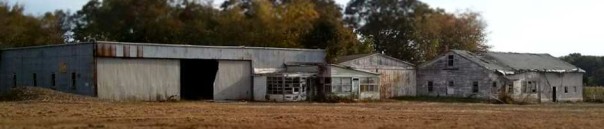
406 29
593 66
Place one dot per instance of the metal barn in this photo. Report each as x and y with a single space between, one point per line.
144 71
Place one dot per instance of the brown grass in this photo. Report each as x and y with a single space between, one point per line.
297 115
593 94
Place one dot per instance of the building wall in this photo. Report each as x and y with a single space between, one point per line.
262 58
463 74
545 84
233 81
138 79
397 78
355 91
259 88
62 60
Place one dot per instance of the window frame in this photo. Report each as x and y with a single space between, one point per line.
475 88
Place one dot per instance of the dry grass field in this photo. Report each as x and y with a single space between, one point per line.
43 108
399 114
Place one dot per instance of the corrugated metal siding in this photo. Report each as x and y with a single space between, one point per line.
138 79
233 81
63 60
260 57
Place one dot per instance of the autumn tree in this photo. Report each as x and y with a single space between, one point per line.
411 30
20 30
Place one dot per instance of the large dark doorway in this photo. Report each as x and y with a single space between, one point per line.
197 79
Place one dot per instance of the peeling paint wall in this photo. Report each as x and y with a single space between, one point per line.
138 79
61 60
397 78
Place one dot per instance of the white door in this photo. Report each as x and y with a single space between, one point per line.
233 81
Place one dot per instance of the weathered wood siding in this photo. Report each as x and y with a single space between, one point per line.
396 77
463 74
545 83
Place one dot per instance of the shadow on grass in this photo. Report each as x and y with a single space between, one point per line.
440 99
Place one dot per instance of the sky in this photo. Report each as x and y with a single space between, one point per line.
557 27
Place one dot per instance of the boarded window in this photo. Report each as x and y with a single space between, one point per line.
73 81
430 86
475 87
450 60
35 80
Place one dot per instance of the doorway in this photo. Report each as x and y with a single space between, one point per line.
554 97
197 79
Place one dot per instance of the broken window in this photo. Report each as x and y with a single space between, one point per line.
430 86
494 84
529 87
566 89
369 84
475 87
285 85
450 60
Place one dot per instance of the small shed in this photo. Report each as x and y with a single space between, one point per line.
397 77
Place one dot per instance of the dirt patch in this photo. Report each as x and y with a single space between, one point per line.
37 94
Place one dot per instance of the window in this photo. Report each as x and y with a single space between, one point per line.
494 84
73 81
285 85
14 80
451 83
341 84
369 84
475 87
430 86
35 80
529 87
566 89
450 60
511 88
575 87
53 81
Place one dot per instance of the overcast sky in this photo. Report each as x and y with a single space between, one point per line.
558 27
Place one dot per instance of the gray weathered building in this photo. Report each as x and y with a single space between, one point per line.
124 71
491 75
397 77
